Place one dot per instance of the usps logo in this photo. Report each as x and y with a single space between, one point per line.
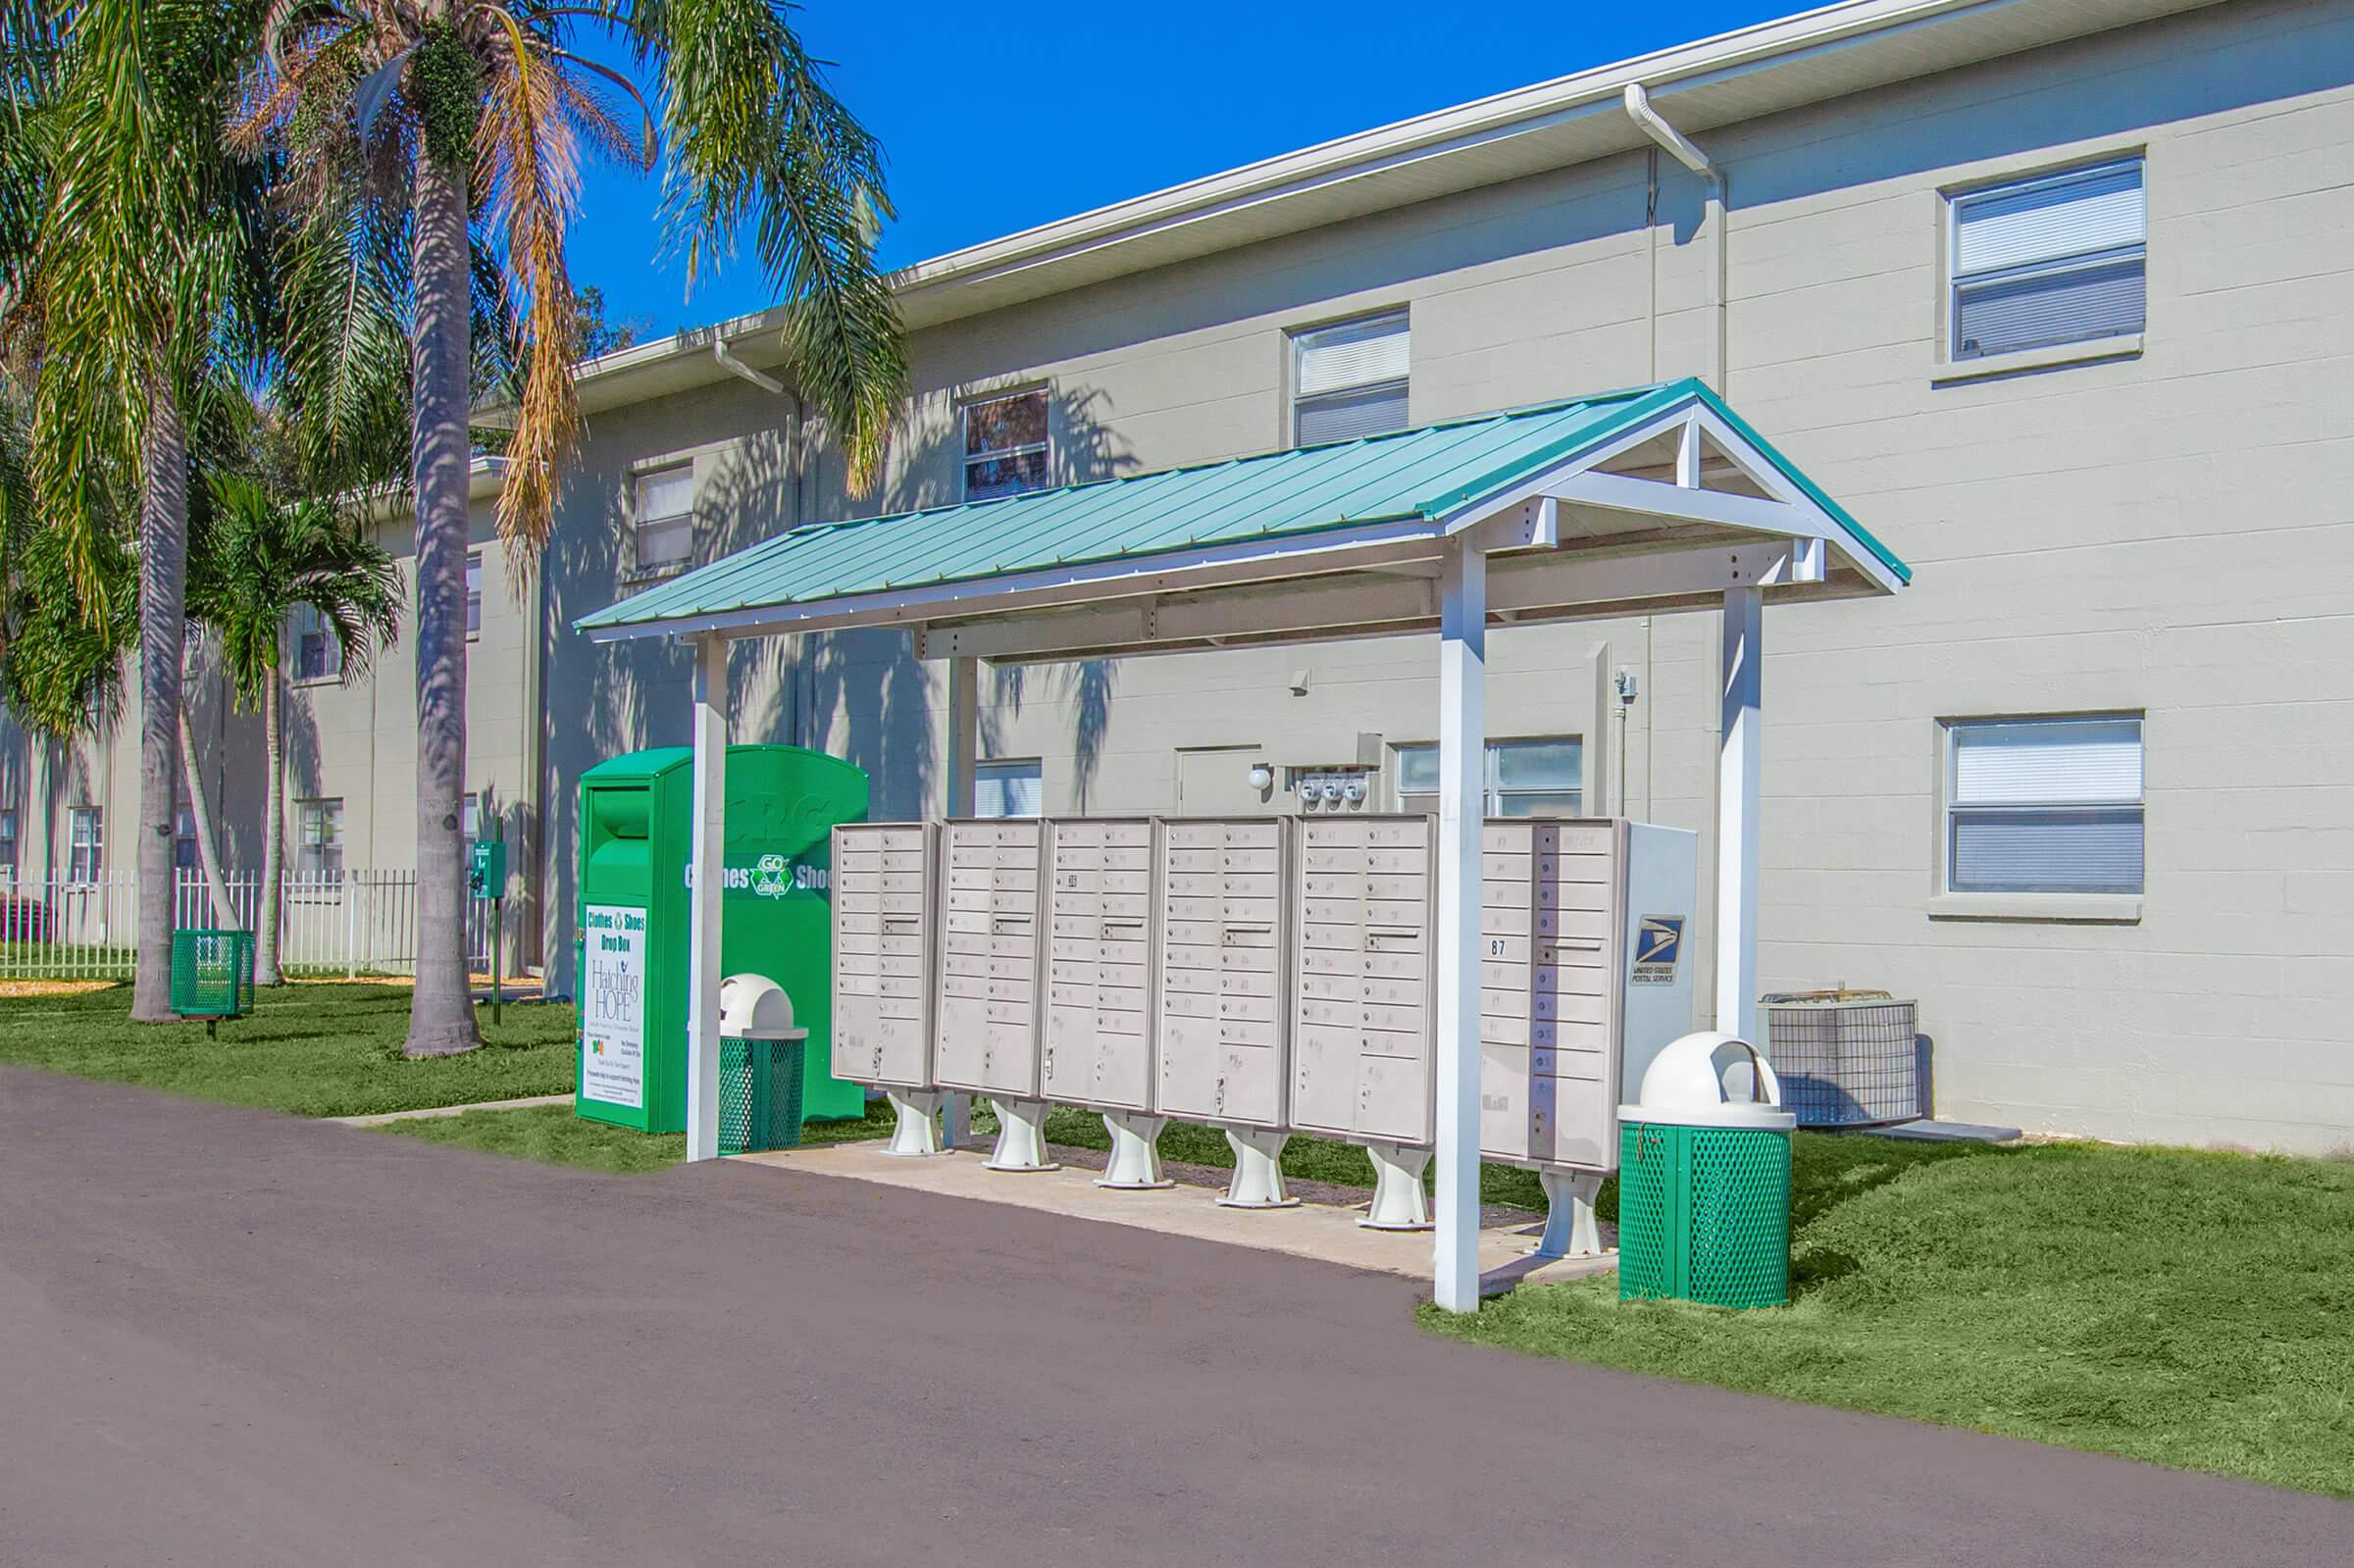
1659 943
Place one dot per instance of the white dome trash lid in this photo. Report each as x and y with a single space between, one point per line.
1712 1080
755 1007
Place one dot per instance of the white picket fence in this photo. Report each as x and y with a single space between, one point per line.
352 923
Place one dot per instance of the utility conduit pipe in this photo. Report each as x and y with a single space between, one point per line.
1681 148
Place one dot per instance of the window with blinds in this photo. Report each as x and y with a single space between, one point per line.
2048 261
1008 788
1349 380
2044 806
1524 778
662 533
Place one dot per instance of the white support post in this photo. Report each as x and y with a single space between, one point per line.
1462 809
705 856
1738 752
964 752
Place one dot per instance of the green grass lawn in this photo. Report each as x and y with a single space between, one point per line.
316 1050
2186 1308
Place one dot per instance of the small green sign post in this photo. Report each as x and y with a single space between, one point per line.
486 877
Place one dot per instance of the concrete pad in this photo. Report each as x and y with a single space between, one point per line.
1325 1232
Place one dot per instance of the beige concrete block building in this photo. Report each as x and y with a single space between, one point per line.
2051 294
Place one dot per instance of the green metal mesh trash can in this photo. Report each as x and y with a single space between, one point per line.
760 1095
212 973
1704 1181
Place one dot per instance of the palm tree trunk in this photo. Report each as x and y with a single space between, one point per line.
270 898
163 628
441 1016
208 856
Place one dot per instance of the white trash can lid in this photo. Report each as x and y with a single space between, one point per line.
755 1007
1710 1080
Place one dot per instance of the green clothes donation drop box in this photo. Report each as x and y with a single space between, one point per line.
636 825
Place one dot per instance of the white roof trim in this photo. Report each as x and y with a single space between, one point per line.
977 276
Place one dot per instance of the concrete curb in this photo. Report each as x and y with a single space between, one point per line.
450 1110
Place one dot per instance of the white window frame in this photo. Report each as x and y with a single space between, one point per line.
1952 811
1014 769
1043 448
8 843
1497 792
85 831
309 862
1298 341
680 522
1955 207
474 594
304 624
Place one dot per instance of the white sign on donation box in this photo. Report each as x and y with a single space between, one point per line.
613 1006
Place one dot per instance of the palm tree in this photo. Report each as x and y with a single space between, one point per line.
426 132
253 562
132 256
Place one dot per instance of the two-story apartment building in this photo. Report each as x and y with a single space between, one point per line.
2051 294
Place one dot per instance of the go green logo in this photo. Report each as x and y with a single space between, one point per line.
768 877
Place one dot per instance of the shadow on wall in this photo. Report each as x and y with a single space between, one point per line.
861 695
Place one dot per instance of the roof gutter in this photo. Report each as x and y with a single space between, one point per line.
1684 151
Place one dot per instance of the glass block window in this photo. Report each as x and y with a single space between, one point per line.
2058 259
319 839
1349 380
663 524
1008 788
2044 806
1005 445
1542 777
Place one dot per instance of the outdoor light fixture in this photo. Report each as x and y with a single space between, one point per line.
1262 776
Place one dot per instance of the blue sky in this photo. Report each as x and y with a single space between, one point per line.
997 118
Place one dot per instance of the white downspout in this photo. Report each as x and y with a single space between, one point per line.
738 368
1680 147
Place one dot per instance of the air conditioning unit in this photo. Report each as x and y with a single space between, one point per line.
1847 1058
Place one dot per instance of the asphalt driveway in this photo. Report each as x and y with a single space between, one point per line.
228 1336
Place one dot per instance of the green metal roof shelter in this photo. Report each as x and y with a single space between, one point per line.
1641 502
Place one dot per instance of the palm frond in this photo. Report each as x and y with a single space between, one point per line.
757 139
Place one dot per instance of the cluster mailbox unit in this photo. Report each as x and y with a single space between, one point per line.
985 1036
1264 974
1098 1049
1219 989
1362 1048
883 971
1582 981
